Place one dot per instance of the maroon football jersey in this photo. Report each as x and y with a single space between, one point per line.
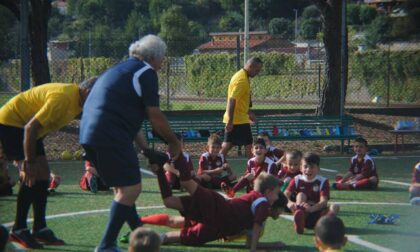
416 174
366 166
267 166
285 173
207 162
313 189
274 153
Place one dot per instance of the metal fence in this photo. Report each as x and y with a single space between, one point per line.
292 76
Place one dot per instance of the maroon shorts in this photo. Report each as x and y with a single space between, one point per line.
198 234
205 206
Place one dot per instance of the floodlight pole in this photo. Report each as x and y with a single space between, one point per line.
296 28
343 55
24 46
246 32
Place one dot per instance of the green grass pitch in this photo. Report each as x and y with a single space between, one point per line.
82 232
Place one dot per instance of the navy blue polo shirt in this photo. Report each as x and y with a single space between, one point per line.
115 108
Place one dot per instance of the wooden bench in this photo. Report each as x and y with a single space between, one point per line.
285 128
402 133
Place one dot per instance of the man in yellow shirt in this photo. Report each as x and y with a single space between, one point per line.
237 117
24 122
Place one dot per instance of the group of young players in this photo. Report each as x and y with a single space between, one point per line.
274 181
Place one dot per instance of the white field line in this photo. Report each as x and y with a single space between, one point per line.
370 203
354 239
150 173
373 246
328 170
394 182
9 224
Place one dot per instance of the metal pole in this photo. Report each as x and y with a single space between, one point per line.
388 72
343 55
246 31
24 46
296 28
238 51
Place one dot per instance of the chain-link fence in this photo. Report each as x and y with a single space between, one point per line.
292 77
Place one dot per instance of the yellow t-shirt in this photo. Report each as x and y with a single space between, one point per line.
54 105
239 89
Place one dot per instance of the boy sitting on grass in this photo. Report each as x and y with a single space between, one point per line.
330 234
256 165
312 194
290 169
213 168
414 188
273 152
362 173
211 216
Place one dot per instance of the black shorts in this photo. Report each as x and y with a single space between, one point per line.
312 218
11 139
240 135
117 166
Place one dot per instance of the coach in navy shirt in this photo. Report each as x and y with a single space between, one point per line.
121 99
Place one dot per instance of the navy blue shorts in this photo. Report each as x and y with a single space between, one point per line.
11 139
117 166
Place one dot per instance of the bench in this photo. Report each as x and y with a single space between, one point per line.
402 133
286 128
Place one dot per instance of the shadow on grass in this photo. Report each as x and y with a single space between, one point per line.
392 189
365 231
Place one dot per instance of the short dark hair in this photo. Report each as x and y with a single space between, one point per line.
214 139
254 61
281 202
330 230
311 158
144 240
361 140
259 141
263 134
294 155
88 83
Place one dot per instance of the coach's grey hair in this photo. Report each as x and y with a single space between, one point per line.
88 83
254 61
147 48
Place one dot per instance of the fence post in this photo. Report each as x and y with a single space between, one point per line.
168 65
24 46
388 73
238 51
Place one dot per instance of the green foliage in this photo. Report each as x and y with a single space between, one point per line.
309 28
232 21
367 14
371 70
378 31
353 14
279 26
175 32
311 12
208 75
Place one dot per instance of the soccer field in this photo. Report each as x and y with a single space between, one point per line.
80 217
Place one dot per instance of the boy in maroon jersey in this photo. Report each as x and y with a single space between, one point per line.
213 169
414 188
312 194
213 216
362 172
259 163
272 152
290 168
172 174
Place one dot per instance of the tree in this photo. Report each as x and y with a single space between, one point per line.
232 21
379 31
9 27
353 14
367 14
279 26
309 28
331 26
175 31
311 12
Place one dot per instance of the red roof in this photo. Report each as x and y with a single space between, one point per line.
230 44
